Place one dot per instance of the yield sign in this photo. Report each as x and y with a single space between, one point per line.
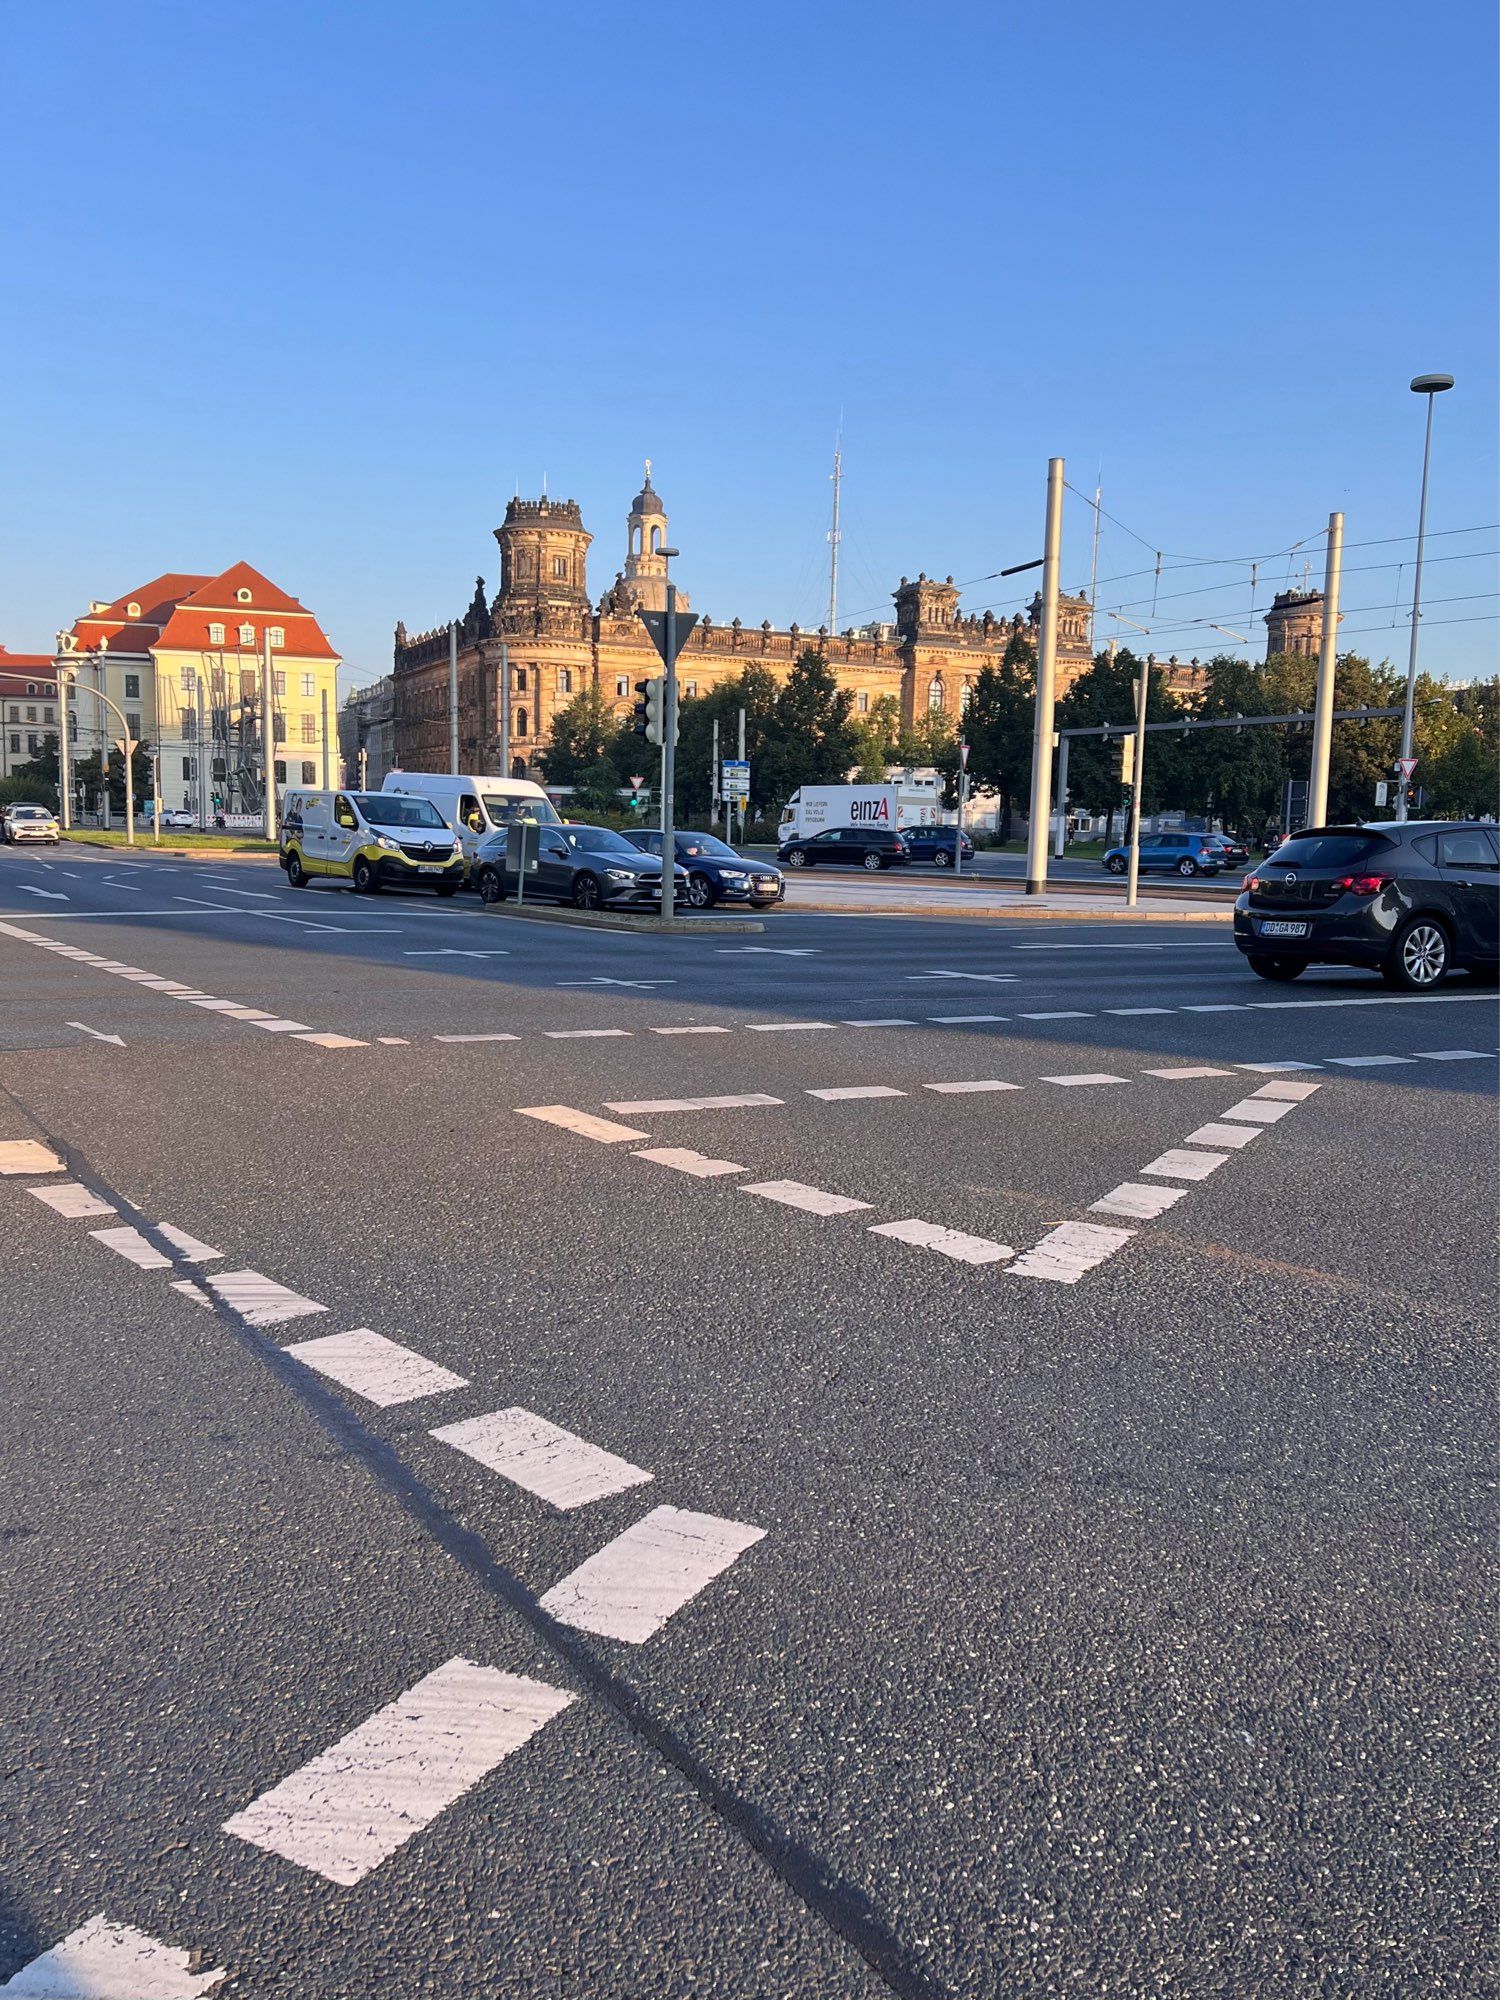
1406 765
655 623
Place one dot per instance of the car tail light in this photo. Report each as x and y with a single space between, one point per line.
1363 885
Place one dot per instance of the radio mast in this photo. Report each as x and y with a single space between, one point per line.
834 537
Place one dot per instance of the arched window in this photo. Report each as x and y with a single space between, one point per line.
521 729
965 696
635 541
656 541
936 692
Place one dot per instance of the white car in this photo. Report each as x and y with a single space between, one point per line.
26 822
178 816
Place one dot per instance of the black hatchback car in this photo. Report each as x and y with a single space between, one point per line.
871 847
715 873
1411 901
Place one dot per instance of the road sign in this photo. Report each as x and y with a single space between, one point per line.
1382 791
655 623
735 779
963 756
1405 766
636 783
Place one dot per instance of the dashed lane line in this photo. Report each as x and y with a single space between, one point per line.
1181 1164
954 1243
644 1106
964 1089
630 1588
584 1034
28 1156
1215 1134
1369 1062
849 1093
382 1371
1136 1201
796 1194
542 1458
1070 1251
784 1027
72 1200
1086 1077
259 1299
683 1160
353 1806
105 1960
582 1122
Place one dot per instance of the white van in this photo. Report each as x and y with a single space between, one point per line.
475 807
365 840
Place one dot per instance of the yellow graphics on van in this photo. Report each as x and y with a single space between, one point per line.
368 841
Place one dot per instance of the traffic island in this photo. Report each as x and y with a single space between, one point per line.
686 925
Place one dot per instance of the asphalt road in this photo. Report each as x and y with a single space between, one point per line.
1012 1608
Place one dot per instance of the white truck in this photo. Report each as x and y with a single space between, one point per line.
812 808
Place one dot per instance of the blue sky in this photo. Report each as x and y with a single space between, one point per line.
316 286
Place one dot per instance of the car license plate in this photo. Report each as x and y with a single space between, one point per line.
1276 929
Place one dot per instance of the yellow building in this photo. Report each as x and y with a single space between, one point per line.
181 659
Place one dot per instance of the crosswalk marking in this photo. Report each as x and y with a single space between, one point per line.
103 1960
953 1243
691 1031
1291 1093
1087 1076
542 1457
631 1587
1215 1134
1140 1203
1257 1111
133 1247
1066 1253
961 1020
784 1027
1452 1055
964 1089
323 1041
1177 1164
356 1803
260 1299
1198 1069
642 1107
73 1200
584 1034
473 1038
1062 1014
1369 1062
847 1092
889 1021
795 1194
381 1370
282 1026
686 1161
582 1122
27 1156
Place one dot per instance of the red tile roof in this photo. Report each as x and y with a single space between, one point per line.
176 610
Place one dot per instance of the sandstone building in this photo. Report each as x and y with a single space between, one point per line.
1294 623
558 642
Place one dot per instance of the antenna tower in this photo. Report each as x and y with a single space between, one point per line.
835 536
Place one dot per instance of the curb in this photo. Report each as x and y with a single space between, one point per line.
163 849
1021 911
619 921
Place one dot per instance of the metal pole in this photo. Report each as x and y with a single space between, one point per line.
156 797
364 767
1046 689
327 786
713 778
453 699
669 760
1322 742
1142 693
64 772
504 710
963 793
268 734
1408 718
745 801
1062 797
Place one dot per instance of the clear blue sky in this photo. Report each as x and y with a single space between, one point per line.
315 286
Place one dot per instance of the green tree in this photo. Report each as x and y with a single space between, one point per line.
1106 694
584 734
876 736
1462 777
86 775
1231 775
809 740
998 725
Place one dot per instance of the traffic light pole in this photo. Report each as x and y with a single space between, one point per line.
1133 874
669 762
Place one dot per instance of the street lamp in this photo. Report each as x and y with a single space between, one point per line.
1429 386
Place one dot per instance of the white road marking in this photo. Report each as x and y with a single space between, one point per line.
473 1038
27 1156
260 1299
1177 1165
353 1806
1201 1069
772 950
1257 1111
581 1122
1218 1007
601 980
73 1200
97 1034
1291 1093
794 1194
1451 1055
1369 1062
632 1586
1066 1253
784 1027
987 978
1066 1014
690 1031
283 1027
542 1457
1127 1011
103 1960
1233 1136
963 1089
451 951
686 1161
848 1092
382 1371
1136 1201
959 1020
582 1034
891 1021
188 1248
217 1006
1086 1076
131 1245
644 1106
393 1041
327 1041
1270 1068
947 1242
191 1290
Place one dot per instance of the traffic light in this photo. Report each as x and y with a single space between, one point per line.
1127 761
650 710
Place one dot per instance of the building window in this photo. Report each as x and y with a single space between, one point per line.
72 728
279 727
280 681
31 687
564 680
186 677
965 696
189 720
276 635
309 772
133 724
520 680
862 703
31 715
521 722
32 745
15 745
560 568
622 688
216 635
247 685
242 596
132 687
279 769
15 711
690 687
247 635
936 693
309 729
48 716
309 686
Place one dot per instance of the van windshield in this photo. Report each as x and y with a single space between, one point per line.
391 809
503 810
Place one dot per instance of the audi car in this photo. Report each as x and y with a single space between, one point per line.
715 873
1410 900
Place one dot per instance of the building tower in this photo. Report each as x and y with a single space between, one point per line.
543 556
646 537
1294 623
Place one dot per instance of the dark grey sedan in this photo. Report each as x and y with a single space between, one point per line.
587 866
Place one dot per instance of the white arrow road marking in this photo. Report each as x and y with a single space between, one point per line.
771 950
54 895
451 951
990 978
602 981
118 1040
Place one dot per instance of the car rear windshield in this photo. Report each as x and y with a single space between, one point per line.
1327 850
390 809
503 810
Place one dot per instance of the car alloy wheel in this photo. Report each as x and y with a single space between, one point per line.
943 859
1421 955
796 859
490 888
1116 864
700 891
586 893
872 861
366 881
1187 865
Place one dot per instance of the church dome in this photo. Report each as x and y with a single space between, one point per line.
647 501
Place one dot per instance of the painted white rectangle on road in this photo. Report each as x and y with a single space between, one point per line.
1178 1165
353 1806
1064 1014
260 1299
216 1006
133 1247
1198 1069
582 1122
1271 1068
27 1156
847 1092
1258 1111
189 1249
584 1034
889 1021
1370 1062
381 1370
1132 1198
947 1242
1451 1055
631 1587
327 1041
1290 1093
785 1027
643 1106
964 1089
1087 1076
690 1031
473 1038
73 1200
102 1960
283 1027
795 1194
1223 1135
686 1161
962 1020
1129 1011
542 1457
1066 1253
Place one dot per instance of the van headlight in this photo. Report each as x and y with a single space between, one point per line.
391 846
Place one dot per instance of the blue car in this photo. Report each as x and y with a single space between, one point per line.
1171 854
716 874
937 844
